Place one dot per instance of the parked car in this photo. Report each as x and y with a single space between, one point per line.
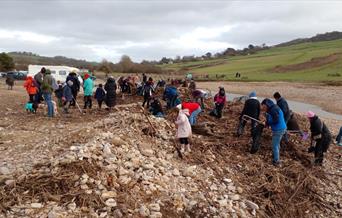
16 75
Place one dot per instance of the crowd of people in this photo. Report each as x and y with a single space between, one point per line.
267 113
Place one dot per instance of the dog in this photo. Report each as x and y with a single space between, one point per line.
45 108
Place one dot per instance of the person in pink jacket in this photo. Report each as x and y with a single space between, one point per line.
184 130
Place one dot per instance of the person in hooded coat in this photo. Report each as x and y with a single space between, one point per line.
320 137
274 119
67 96
75 87
110 88
183 130
100 95
88 86
156 108
30 88
220 101
339 137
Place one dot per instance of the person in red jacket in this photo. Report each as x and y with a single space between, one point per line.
30 88
220 101
194 109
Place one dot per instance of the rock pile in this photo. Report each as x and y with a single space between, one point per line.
122 172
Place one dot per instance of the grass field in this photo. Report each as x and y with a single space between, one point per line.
260 66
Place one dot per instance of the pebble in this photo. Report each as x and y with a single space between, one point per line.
175 172
108 194
154 207
252 205
4 171
36 205
111 202
144 211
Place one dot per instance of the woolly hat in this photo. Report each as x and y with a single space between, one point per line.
310 114
179 106
252 94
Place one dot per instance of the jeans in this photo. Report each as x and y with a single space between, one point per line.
48 100
339 136
193 116
276 138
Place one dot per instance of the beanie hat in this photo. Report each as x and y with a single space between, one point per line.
252 94
310 114
179 107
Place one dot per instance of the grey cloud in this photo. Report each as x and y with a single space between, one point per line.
152 29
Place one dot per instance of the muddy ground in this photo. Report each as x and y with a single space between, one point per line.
327 97
32 143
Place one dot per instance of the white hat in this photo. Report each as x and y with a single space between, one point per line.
179 107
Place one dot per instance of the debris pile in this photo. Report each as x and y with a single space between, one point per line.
129 166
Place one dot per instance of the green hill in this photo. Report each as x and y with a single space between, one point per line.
23 59
309 61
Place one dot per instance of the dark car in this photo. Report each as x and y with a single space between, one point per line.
16 75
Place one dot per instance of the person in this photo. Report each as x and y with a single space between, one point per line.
75 86
110 88
198 96
9 82
38 78
156 108
220 101
59 93
339 138
183 130
147 92
47 92
144 79
170 95
320 137
30 88
251 109
192 85
67 96
274 119
100 95
282 103
88 86
194 109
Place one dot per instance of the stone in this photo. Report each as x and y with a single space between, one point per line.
117 213
10 182
175 172
4 171
239 190
110 202
154 207
223 203
146 149
156 215
124 180
72 206
108 194
144 211
36 205
103 214
117 141
235 197
189 172
226 180
252 205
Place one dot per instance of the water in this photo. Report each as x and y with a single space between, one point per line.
300 107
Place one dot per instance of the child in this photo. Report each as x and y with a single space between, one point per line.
100 95
67 96
183 129
156 108
59 93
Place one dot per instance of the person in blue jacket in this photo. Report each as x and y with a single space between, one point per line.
170 95
274 119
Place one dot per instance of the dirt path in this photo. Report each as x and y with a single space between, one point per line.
327 97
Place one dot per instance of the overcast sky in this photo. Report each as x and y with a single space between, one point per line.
149 29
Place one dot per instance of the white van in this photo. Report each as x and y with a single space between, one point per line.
60 73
